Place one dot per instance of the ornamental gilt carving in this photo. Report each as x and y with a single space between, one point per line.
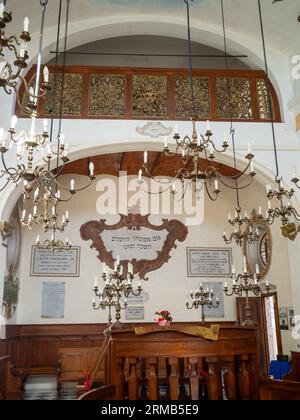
93 231
237 92
183 98
150 96
107 95
72 96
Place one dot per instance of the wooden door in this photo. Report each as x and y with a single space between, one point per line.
259 317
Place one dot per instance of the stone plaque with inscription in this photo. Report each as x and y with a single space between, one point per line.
209 262
55 264
135 313
53 300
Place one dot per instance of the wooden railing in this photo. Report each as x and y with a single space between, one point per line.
271 390
173 365
158 94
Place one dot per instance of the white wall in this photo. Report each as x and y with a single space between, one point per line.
168 286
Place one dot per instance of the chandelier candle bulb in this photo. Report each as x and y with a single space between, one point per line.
72 185
257 269
31 94
22 53
1 134
2 8
46 74
67 215
166 142
91 168
260 211
176 129
13 123
245 265
140 174
37 239
269 205
34 210
249 149
45 125
26 24
145 157
96 283
208 126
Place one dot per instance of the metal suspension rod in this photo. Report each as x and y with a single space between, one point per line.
269 93
43 4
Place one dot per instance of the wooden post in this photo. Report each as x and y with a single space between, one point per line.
244 378
230 378
173 378
152 379
213 380
133 380
194 378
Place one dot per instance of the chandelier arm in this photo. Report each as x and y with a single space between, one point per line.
239 187
209 194
7 170
5 185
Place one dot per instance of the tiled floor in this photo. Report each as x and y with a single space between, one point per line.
45 388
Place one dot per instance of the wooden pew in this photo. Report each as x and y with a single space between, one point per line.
272 390
294 374
150 360
10 385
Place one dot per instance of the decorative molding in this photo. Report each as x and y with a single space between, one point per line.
10 295
154 129
6 230
177 231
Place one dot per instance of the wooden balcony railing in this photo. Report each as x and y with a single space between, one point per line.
158 94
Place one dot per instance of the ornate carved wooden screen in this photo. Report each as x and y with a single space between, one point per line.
120 93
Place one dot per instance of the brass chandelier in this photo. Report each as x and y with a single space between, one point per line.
48 218
246 284
10 73
284 210
202 297
198 147
53 244
117 288
32 145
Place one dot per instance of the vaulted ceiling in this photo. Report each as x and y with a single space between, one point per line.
241 16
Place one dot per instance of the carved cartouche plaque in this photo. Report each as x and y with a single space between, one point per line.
135 240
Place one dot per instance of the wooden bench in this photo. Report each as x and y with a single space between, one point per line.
10 385
73 362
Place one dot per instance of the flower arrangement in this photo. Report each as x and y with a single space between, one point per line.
164 318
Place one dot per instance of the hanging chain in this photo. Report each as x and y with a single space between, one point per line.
191 81
268 86
232 130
